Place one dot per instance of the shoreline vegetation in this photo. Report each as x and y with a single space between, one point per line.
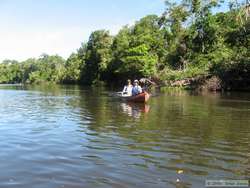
188 46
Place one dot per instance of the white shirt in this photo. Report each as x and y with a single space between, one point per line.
127 90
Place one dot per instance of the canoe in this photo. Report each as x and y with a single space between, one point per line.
140 98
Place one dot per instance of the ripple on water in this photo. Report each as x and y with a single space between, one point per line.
82 138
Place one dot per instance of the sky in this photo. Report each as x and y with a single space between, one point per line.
29 28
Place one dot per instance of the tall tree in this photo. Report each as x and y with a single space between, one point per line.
138 49
98 56
73 69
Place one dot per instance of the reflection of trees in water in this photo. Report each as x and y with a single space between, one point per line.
207 133
109 114
199 135
197 131
193 133
52 98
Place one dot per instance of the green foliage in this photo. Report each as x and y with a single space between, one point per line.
73 69
138 50
10 72
48 69
138 61
45 69
191 72
98 56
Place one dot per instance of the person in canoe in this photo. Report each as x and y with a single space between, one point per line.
127 90
146 83
136 88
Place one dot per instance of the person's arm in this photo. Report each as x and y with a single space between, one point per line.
139 89
133 91
124 89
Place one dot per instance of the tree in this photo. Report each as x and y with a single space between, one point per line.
73 69
98 56
138 50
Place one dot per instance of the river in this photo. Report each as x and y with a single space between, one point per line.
72 137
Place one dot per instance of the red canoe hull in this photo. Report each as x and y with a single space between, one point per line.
140 98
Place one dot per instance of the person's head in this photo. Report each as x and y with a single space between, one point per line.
142 80
136 82
129 82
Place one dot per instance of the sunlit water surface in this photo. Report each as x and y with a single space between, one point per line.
74 137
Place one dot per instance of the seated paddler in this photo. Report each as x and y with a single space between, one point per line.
136 88
127 90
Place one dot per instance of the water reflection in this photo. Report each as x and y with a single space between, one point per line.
135 110
81 137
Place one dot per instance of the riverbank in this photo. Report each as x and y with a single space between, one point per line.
236 80
201 83
208 83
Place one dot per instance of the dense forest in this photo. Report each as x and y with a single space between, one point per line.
189 41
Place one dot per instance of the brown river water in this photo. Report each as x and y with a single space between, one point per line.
72 137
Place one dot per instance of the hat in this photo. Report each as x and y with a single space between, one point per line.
136 81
